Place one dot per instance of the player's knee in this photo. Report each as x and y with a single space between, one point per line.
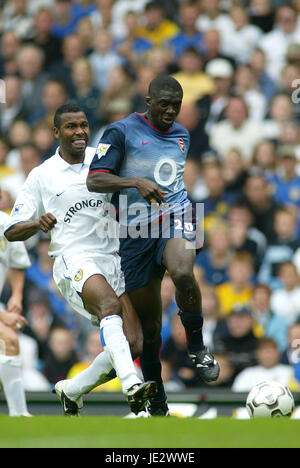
183 278
136 345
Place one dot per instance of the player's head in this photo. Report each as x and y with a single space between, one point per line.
71 128
164 101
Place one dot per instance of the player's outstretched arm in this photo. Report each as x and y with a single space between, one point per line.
103 182
24 230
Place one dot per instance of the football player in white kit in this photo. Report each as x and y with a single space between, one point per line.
13 259
87 268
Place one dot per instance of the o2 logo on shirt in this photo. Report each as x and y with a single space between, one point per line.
169 167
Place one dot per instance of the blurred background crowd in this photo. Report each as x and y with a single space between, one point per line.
238 62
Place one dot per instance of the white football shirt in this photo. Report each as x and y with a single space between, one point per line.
12 254
83 223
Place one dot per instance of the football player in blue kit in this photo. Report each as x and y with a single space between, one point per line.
142 157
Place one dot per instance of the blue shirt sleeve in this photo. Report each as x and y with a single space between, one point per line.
110 151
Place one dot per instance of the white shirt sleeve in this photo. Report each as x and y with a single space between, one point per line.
18 256
28 205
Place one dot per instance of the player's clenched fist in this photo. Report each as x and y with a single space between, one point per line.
47 222
150 191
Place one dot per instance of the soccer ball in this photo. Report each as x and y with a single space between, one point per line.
270 400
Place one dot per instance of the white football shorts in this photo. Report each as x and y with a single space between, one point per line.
71 273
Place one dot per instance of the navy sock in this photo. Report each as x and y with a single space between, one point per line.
193 324
151 367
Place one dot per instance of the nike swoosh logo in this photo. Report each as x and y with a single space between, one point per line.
59 194
144 143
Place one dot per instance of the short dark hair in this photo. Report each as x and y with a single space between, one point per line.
65 109
164 82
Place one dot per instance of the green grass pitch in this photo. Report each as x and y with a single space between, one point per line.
114 432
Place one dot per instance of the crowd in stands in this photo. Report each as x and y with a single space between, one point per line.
238 62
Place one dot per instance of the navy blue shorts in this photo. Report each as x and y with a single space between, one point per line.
141 258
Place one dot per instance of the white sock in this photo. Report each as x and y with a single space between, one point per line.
96 374
115 343
11 378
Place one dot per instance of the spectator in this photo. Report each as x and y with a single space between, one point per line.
269 324
212 48
215 259
212 106
159 59
54 95
67 15
211 17
265 157
262 14
41 35
41 321
61 356
120 86
15 18
9 48
234 336
286 182
247 86
14 108
243 236
194 81
43 138
86 94
5 170
132 48
266 84
189 36
240 42
238 290
29 158
234 171
103 58
236 131
30 60
218 200
268 368
285 301
276 42
157 28
260 202
61 70
281 110
281 248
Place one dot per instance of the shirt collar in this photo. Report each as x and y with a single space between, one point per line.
64 165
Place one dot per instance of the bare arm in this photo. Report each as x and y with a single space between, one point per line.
24 230
16 279
103 182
